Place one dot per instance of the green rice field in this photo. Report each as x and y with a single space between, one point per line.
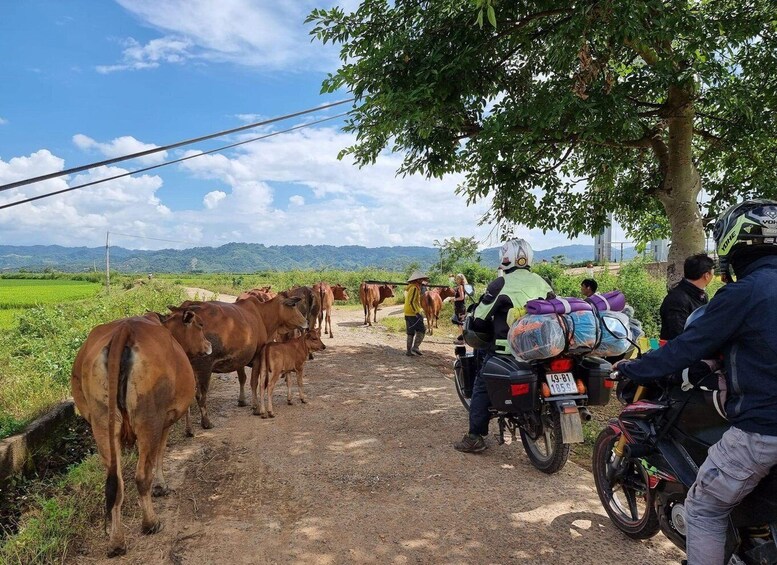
16 295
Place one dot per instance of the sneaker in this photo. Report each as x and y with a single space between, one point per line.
416 352
470 444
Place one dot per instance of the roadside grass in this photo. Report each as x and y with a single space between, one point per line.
395 323
71 507
9 317
37 354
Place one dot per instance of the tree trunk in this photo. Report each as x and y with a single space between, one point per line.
681 185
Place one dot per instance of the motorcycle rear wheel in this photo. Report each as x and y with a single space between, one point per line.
548 452
630 508
457 380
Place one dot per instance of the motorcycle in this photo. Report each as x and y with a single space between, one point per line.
645 461
545 401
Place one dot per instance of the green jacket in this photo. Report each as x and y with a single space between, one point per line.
513 290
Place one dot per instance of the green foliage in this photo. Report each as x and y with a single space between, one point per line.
37 355
643 291
623 97
223 283
72 507
453 252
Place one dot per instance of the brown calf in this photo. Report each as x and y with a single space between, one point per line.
327 295
281 359
371 295
238 333
431 302
262 293
131 381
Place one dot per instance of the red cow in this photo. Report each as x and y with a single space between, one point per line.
239 333
262 293
327 295
281 359
132 381
431 302
371 295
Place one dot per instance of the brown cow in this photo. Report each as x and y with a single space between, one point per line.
132 381
431 302
371 295
327 295
309 303
262 293
282 359
238 333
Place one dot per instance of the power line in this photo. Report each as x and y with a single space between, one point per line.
153 238
92 183
80 168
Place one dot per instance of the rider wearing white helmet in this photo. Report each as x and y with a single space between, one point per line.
517 286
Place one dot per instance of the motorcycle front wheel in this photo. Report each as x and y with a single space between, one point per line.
545 448
457 380
626 497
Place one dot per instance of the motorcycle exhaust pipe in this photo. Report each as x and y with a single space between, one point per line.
585 414
635 450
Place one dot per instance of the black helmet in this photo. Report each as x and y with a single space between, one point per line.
475 339
748 225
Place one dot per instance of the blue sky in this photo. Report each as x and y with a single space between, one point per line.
85 80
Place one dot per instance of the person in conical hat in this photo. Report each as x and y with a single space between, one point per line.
414 313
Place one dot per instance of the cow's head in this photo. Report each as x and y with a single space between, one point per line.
313 340
186 327
339 292
386 291
290 317
447 293
264 288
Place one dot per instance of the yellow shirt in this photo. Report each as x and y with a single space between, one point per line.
413 300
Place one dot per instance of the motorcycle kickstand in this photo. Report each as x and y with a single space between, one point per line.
501 439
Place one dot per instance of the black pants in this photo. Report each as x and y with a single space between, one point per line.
414 324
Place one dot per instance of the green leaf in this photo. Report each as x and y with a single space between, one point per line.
480 18
492 15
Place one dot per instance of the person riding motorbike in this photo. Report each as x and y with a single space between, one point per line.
492 318
740 322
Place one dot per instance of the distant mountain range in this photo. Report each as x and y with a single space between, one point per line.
247 257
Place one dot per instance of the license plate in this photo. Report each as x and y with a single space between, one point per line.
561 383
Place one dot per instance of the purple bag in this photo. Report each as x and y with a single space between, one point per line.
613 301
557 306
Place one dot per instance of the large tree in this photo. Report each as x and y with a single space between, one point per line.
564 110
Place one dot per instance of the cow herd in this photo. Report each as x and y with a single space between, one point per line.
135 377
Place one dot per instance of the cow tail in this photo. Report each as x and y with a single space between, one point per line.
115 351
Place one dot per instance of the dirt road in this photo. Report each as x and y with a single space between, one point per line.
365 473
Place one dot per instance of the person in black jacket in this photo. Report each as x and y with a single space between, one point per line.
687 296
740 322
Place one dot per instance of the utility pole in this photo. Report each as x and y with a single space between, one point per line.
107 261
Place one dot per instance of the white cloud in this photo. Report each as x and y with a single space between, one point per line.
212 199
125 145
3 121
137 57
265 35
321 200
